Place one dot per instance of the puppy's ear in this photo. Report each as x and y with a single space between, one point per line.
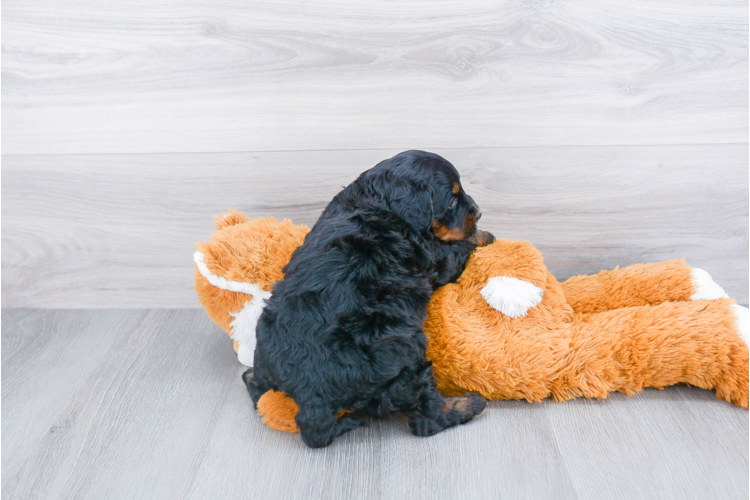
412 201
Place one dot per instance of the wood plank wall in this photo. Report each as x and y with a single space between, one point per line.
605 132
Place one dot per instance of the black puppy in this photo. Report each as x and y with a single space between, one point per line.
343 329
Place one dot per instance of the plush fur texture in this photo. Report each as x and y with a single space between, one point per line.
742 316
632 286
343 330
278 411
244 253
645 333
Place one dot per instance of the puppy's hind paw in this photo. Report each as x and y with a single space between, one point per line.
247 377
252 387
346 424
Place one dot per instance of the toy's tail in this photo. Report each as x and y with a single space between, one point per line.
700 343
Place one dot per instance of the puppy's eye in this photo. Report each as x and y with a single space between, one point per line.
453 202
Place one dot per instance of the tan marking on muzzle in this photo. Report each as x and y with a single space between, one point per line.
445 233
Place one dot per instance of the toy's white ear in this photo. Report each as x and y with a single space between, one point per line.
511 296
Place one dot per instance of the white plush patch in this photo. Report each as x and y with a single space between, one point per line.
743 322
245 354
705 287
219 282
245 321
511 296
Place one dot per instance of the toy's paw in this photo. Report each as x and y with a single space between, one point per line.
705 287
743 322
278 411
511 296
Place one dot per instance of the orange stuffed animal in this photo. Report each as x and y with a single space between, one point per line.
507 329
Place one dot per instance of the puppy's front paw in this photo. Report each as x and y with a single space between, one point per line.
467 405
482 238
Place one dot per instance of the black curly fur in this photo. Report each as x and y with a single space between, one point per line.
343 329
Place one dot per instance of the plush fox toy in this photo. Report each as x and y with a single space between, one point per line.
507 329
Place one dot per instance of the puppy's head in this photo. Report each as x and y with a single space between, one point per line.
425 190
455 212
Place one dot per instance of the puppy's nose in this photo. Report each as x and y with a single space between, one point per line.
478 216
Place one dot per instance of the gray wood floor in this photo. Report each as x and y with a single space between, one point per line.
149 404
